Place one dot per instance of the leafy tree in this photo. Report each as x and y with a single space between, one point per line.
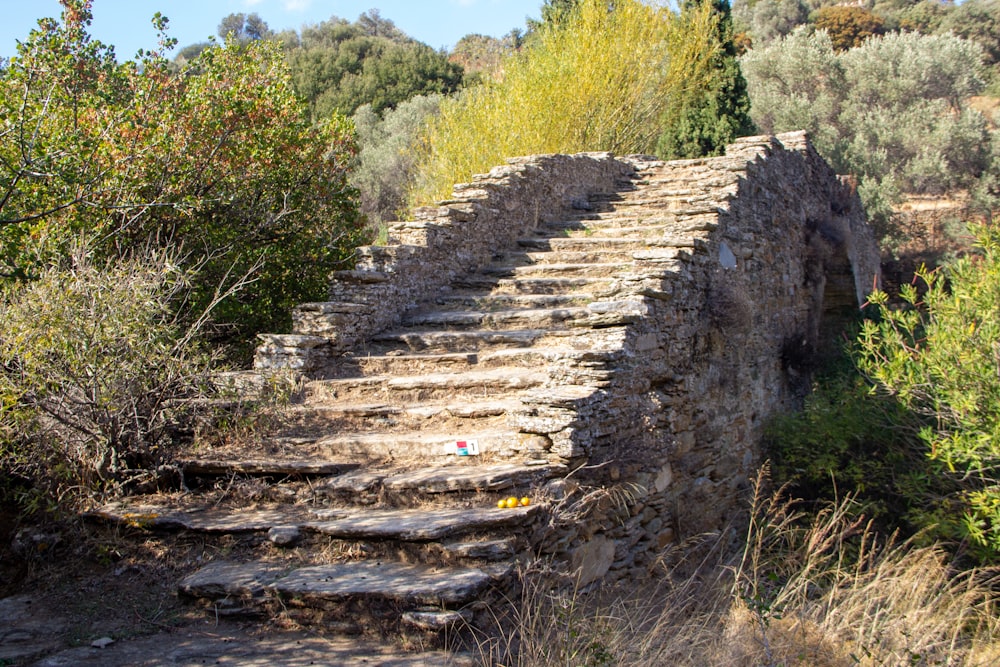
373 24
387 161
340 67
940 358
244 27
478 53
892 111
190 52
221 160
767 20
848 26
703 120
600 82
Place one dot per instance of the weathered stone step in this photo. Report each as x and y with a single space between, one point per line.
465 340
589 244
584 270
400 583
451 478
417 525
402 364
315 416
423 446
535 318
532 285
401 525
272 467
405 388
490 302
592 254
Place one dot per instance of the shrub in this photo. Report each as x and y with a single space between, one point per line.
845 440
338 66
386 163
939 357
892 111
96 374
848 26
601 80
220 159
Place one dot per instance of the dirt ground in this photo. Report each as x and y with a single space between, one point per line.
66 590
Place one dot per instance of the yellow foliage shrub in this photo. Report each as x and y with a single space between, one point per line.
598 82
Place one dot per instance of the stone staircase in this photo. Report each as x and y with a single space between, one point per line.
553 371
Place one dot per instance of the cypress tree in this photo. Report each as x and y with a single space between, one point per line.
701 122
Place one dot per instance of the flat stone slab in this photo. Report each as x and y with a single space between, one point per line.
227 579
397 581
402 582
443 479
206 520
266 467
418 525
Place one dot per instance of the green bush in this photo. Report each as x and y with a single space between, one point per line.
600 80
892 111
96 376
220 160
703 120
847 441
386 163
940 357
338 67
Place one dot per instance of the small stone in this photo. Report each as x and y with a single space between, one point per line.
284 536
435 620
103 642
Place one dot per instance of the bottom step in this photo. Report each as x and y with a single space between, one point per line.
338 582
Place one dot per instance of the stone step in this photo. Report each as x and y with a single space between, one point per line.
316 418
497 285
595 245
415 388
406 363
494 302
421 446
579 270
534 318
452 478
400 584
354 523
473 340
593 254
265 467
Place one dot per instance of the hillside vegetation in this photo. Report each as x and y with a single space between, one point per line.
155 212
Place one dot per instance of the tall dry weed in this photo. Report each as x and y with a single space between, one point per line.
806 589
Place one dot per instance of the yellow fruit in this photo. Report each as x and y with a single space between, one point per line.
526 501
502 504
511 502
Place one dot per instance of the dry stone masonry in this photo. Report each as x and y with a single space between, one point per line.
603 336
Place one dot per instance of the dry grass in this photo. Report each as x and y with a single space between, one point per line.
805 590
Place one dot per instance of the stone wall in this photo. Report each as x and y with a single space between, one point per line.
766 250
442 241
768 253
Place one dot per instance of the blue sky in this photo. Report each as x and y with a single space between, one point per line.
126 23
